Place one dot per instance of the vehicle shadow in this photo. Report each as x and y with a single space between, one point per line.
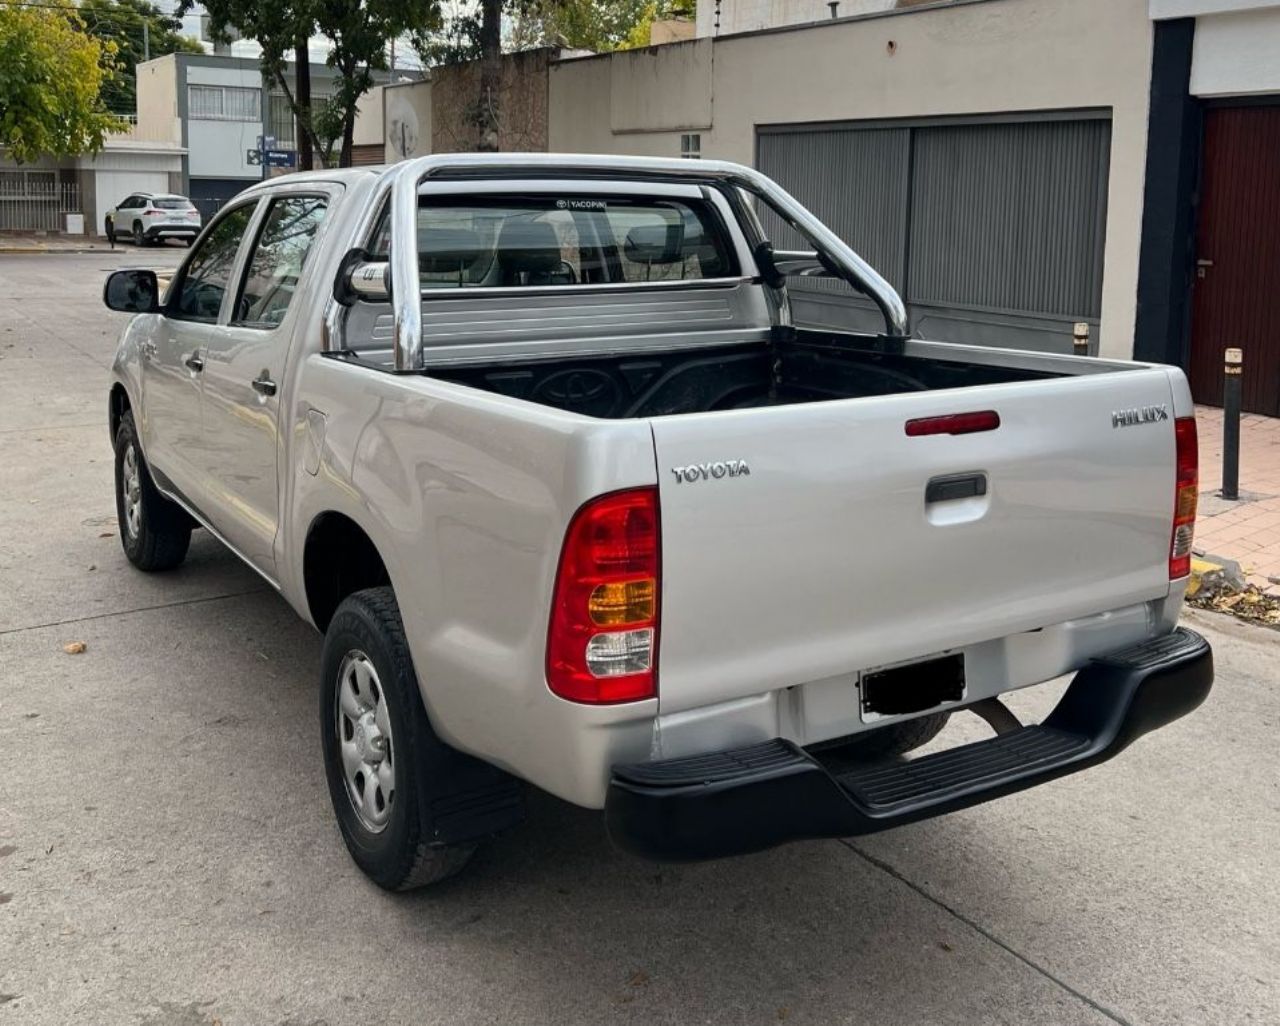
551 924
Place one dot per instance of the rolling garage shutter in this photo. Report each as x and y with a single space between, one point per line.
992 229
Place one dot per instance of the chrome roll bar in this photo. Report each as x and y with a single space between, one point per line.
402 181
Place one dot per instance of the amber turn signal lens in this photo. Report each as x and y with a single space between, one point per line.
621 603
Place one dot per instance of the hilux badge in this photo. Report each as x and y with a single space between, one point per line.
715 471
1140 415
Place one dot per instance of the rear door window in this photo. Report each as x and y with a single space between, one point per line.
285 241
515 241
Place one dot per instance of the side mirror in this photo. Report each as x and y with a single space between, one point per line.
133 291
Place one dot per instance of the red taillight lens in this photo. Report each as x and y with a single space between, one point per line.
954 424
602 645
1185 497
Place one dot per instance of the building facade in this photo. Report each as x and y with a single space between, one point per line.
218 107
1211 233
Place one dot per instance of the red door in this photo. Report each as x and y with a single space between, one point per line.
1237 284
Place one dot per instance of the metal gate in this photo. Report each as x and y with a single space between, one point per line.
34 201
1236 299
992 229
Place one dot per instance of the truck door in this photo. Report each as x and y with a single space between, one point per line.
173 359
243 375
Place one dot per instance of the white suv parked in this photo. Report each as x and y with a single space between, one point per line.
153 217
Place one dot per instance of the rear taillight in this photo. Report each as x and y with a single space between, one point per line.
152 213
1186 491
603 642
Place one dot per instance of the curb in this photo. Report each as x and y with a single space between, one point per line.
45 250
1214 575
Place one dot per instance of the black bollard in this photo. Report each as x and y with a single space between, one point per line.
1231 381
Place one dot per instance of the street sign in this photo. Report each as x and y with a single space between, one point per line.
253 157
266 142
280 158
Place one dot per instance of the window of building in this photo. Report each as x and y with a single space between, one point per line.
224 103
691 145
282 124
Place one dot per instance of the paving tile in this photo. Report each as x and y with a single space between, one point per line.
1248 533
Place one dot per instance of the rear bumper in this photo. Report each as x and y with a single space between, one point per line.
749 799
176 231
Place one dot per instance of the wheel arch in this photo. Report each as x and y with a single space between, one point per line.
338 558
118 404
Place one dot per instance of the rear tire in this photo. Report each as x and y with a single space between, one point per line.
379 748
154 532
887 742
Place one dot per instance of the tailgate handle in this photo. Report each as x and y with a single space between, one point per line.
956 486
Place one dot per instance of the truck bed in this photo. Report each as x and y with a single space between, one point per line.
801 367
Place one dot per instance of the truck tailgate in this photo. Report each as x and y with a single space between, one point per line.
824 554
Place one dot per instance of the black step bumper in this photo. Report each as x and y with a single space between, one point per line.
748 799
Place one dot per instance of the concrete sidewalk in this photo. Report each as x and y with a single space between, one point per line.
1247 531
31 242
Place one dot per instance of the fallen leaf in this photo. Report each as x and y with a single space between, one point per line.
639 978
107 534
74 647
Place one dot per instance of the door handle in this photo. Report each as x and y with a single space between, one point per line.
194 363
956 486
263 385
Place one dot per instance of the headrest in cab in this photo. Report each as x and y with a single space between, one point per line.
655 244
442 250
531 247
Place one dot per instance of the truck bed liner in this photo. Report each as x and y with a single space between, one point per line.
809 367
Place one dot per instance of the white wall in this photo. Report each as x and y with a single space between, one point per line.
1193 8
978 58
217 148
407 117
1237 54
368 127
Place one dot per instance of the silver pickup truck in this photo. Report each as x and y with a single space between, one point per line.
534 441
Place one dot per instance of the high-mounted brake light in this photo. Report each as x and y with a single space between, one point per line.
954 424
1185 496
602 644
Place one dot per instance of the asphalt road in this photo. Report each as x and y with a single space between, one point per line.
168 856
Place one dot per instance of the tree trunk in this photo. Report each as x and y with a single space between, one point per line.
302 112
487 114
348 133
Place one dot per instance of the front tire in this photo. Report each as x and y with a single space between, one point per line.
379 748
154 532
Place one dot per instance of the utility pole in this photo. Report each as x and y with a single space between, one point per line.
146 39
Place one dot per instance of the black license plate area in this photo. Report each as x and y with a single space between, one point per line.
913 688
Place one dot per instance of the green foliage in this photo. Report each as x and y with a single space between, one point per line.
359 31
658 10
51 73
122 22
598 25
